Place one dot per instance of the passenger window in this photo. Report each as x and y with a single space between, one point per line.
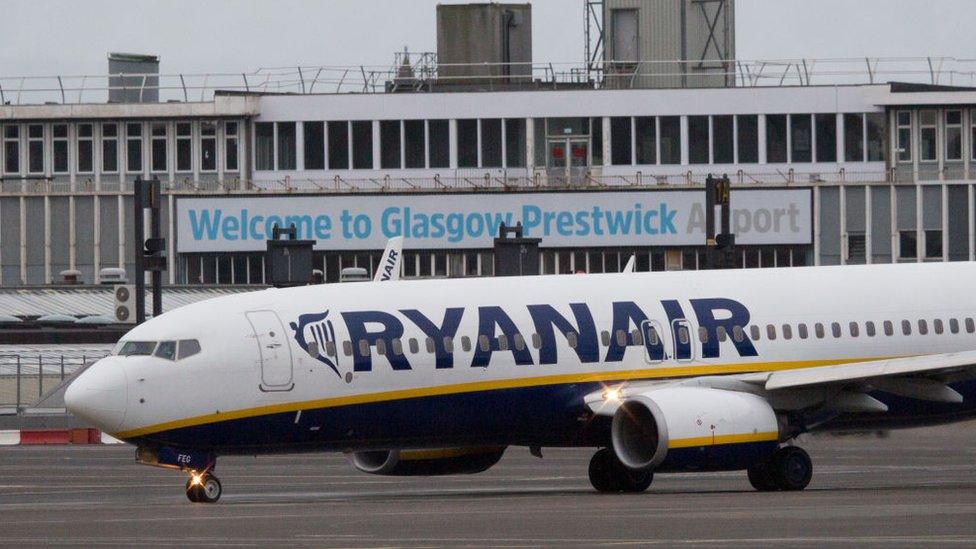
801 330
465 343
954 325
923 327
636 336
970 326
604 337
166 349
188 347
937 326
906 327
754 332
819 329
429 343
347 348
770 332
483 342
720 332
854 329
502 342
835 329
330 347
537 341
414 346
448 344
652 335
869 328
380 347
787 331
571 339
684 337
363 347
397 347
519 342
621 338
703 334
889 328
738 334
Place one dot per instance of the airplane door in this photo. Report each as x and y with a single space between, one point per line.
653 342
684 350
274 351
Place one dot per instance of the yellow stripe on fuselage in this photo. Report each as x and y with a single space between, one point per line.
712 440
490 385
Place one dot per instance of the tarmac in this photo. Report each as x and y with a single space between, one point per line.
906 489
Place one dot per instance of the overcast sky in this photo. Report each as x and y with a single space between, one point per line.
48 37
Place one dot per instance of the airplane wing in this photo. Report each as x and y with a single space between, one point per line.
389 268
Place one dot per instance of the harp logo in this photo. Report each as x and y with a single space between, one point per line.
317 328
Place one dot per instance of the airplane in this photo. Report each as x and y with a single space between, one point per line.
657 371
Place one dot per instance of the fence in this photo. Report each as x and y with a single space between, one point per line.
26 378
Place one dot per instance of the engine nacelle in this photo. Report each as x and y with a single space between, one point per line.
693 428
439 461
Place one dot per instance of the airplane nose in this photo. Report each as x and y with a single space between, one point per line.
99 395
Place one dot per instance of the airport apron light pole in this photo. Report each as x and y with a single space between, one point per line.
149 253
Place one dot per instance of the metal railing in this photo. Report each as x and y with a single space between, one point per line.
428 74
26 378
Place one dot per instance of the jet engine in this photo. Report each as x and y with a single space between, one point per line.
693 428
428 462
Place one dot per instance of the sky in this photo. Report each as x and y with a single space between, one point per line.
71 37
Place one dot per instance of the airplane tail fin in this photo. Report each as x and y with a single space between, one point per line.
389 268
629 267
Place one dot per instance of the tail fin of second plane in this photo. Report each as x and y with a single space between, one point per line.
389 268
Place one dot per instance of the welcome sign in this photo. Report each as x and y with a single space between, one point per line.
444 221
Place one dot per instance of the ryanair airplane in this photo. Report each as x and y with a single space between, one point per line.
662 371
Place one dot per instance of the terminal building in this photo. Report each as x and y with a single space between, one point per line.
601 161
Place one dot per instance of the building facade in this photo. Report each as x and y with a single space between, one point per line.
827 175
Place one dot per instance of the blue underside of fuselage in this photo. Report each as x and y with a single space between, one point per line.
552 415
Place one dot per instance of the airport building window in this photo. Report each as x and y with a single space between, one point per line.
854 329
875 136
491 143
414 144
906 327
35 148
264 146
835 329
86 148
698 140
954 325
286 151
620 141
515 142
904 135
937 326
596 141
338 143
854 137
11 149
110 148
723 137
208 146
231 139
776 138
467 143
59 143
826 137
184 147
907 244
313 145
819 330
923 327
158 147
747 138
438 143
889 329
927 136
801 141
362 146
869 328
953 135
670 130
933 244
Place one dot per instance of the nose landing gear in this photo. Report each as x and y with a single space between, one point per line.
203 488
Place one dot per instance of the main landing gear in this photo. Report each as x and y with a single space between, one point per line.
788 470
607 474
203 488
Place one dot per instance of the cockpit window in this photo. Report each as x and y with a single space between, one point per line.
188 347
137 348
166 349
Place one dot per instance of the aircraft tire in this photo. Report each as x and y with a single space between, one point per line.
608 475
761 478
791 468
210 490
192 491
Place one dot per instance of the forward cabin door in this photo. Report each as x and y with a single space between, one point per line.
274 353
